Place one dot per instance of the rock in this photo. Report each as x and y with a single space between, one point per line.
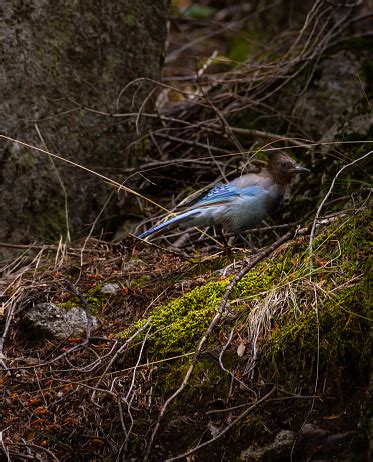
310 437
273 451
110 289
48 320
335 90
311 431
350 127
133 264
339 438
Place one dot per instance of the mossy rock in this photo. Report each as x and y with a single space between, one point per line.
334 334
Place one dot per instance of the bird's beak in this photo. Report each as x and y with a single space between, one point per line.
299 169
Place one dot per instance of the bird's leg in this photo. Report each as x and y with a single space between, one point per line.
221 236
247 242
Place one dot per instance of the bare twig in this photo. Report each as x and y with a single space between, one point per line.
191 143
125 345
9 317
36 446
270 136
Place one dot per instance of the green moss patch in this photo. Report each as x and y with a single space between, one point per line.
92 296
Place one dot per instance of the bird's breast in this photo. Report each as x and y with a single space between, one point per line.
249 210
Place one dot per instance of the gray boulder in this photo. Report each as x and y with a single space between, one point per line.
48 320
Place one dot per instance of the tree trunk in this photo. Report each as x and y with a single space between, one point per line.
64 65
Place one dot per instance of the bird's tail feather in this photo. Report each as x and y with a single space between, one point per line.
171 223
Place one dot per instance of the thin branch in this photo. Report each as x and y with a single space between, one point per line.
270 136
191 143
8 321
126 343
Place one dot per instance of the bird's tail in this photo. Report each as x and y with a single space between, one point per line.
169 224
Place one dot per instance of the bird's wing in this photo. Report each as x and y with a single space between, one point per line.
222 194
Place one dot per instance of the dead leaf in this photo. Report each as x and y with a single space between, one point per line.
75 340
333 416
96 440
37 421
69 420
241 350
41 410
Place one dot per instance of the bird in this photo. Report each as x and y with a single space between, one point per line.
240 204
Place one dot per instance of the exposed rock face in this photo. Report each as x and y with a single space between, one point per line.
64 66
339 84
110 289
349 128
46 319
275 451
312 442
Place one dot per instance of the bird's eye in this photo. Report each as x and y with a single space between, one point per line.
283 164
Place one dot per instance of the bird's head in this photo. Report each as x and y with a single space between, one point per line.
283 168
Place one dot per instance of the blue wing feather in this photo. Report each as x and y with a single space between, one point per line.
166 224
223 193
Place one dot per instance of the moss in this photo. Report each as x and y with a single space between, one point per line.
325 340
137 282
93 298
180 323
129 20
206 270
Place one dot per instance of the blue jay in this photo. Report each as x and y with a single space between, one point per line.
240 204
